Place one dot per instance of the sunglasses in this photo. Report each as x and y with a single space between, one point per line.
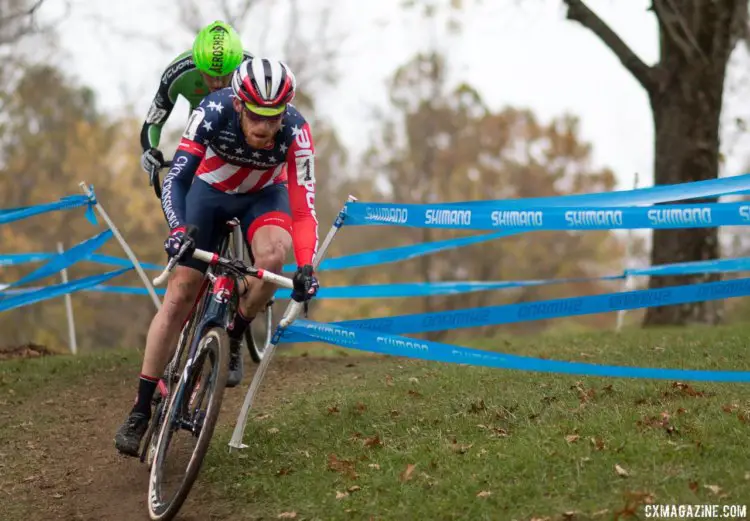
256 113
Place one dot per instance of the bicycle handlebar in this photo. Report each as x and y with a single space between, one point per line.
153 179
214 259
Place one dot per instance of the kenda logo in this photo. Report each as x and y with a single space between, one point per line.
701 215
745 212
594 217
517 218
401 344
453 217
387 215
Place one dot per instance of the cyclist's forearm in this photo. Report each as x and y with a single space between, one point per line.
150 135
176 186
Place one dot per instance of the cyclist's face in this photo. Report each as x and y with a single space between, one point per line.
215 83
259 131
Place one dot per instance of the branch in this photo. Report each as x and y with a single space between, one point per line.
579 12
688 44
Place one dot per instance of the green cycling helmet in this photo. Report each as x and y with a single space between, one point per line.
217 50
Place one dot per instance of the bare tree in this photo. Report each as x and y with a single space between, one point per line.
685 89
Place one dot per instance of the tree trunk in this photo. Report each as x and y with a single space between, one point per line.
686 105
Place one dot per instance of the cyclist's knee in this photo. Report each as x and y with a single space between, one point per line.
270 255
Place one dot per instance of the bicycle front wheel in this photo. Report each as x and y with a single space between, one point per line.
193 410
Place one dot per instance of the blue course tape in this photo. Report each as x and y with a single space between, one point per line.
66 203
549 309
16 259
425 289
67 258
739 184
549 218
438 352
48 292
690 268
401 253
119 261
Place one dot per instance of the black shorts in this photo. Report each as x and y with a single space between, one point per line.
209 209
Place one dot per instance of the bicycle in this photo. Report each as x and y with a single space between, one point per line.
258 335
191 399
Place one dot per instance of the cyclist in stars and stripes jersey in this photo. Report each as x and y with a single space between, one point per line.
246 152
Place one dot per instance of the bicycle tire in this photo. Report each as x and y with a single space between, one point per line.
160 510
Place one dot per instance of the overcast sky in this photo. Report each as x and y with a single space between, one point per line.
524 56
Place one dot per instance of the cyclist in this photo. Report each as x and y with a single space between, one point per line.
251 156
217 51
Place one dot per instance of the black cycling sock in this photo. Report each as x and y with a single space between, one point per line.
238 326
146 388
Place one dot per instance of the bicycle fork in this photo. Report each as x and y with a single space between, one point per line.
215 315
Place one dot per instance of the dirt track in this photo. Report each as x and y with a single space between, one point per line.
61 464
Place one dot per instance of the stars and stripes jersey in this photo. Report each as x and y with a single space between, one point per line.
180 78
213 150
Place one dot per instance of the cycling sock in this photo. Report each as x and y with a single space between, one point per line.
238 326
146 388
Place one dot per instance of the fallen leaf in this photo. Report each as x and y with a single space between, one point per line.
484 493
373 442
260 417
501 433
333 410
273 430
284 471
572 438
388 380
287 515
414 380
30 478
341 495
354 488
681 410
687 389
361 407
713 488
476 407
406 474
57 495
597 442
621 471
414 393
374 466
693 485
601 512
343 466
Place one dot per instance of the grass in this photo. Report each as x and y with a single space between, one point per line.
387 438
22 378
406 439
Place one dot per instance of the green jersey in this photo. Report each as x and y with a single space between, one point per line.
181 78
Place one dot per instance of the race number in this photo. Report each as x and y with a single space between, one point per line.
194 123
